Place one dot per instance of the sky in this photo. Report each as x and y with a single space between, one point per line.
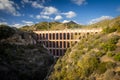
18 13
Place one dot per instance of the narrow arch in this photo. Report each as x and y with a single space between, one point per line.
53 36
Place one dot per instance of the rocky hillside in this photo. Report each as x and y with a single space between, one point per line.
106 23
52 26
21 57
93 58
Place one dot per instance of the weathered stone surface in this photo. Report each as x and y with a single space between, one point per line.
22 58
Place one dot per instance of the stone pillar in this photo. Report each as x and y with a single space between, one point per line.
51 36
55 44
62 36
58 44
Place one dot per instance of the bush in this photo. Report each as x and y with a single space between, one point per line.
109 30
108 47
117 57
6 31
114 39
110 54
100 54
116 25
101 68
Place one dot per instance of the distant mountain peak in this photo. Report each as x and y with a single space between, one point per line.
71 22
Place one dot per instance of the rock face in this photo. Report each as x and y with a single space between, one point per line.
22 58
21 38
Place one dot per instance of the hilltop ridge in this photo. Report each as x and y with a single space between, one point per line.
52 26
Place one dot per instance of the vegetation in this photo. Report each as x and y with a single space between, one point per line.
6 31
92 58
95 57
22 61
117 56
52 26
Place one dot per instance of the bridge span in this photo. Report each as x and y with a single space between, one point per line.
58 41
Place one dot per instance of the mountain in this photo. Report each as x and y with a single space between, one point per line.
71 22
52 26
105 23
96 57
21 56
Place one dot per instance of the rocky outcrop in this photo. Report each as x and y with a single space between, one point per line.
21 38
22 58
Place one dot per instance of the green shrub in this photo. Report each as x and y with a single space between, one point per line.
109 30
110 54
117 57
68 50
101 68
114 39
100 54
108 46
116 25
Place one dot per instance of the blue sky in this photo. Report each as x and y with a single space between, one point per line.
27 12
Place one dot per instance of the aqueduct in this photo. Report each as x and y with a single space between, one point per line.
58 41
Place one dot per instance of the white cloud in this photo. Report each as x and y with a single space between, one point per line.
46 12
42 17
9 6
66 21
45 17
58 17
79 2
34 4
49 10
3 23
70 14
38 16
29 23
17 25
99 19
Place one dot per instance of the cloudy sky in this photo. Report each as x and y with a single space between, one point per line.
28 12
